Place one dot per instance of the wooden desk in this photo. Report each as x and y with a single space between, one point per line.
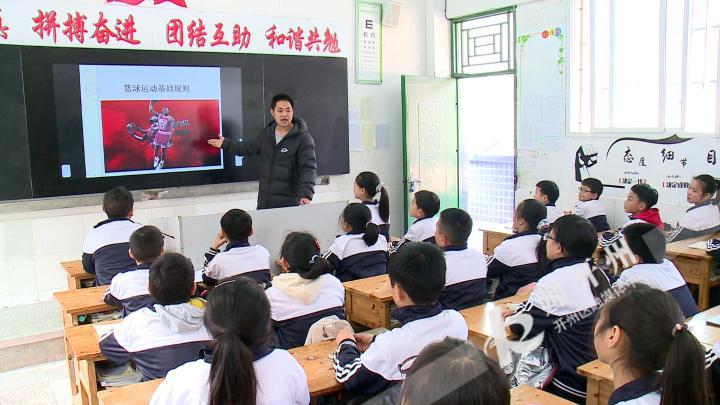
368 301
133 394
85 348
525 394
493 234
695 265
75 274
707 334
477 319
317 362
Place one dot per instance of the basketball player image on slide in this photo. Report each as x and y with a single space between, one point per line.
163 136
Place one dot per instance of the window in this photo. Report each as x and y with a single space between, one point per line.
644 65
484 44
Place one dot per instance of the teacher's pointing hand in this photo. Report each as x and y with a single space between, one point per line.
216 142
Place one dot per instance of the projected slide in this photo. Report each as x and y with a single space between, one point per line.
149 119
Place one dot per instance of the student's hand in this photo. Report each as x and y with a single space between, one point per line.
526 289
395 239
216 142
363 340
218 241
304 201
344 334
507 312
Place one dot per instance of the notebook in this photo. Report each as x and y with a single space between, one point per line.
698 245
714 321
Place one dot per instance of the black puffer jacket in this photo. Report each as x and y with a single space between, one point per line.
287 170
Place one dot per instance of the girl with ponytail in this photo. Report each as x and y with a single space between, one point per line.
367 186
655 359
703 218
240 368
304 293
362 251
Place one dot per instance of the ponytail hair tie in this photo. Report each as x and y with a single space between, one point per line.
368 223
679 328
317 244
379 187
312 259
543 225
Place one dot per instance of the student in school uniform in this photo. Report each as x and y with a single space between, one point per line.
425 205
547 193
304 293
367 365
240 258
640 203
647 243
170 333
241 367
367 186
654 358
562 302
362 251
454 371
465 277
105 249
703 218
589 205
129 289
515 262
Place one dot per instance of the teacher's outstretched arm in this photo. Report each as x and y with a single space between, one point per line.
238 148
307 169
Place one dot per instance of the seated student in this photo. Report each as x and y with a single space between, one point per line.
561 301
465 277
367 365
547 193
454 372
639 204
171 333
304 293
367 186
240 258
648 245
655 359
130 288
515 262
362 251
703 218
425 205
241 368
589 205
105 249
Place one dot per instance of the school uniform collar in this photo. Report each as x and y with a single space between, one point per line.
702 204
355 233
143 266
414 312
634 389
566 261
421 219
373 202
258 353
455 248
519 234
107 221
550 205
237 243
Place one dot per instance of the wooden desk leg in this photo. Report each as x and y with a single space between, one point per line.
69 321
87 382
73 283
704 293
593 392
385 315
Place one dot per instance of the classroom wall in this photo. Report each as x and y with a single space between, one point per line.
36 236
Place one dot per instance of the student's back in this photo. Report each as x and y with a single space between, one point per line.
367 186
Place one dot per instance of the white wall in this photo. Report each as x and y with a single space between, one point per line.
34 239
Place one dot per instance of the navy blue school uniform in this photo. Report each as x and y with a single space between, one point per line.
297 303
593 211
422 230
157 339
465 278
375 212
643 391
390 354
663 276
514 263
712 247
562 307
129 290
240 259
105 249
353 259
699 220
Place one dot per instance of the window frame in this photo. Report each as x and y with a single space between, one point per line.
454 22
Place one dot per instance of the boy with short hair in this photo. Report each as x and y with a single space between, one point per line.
239 259
367 365
465 277
425 205
171 333
547 193
589 205
639 204
105 249
130 288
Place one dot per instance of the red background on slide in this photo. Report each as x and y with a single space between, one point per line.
125 153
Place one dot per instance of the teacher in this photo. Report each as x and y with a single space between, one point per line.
287 150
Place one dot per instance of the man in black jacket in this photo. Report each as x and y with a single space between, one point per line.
287 169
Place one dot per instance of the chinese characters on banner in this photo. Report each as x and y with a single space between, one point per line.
368 43
115 25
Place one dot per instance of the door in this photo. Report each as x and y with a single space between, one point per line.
430 139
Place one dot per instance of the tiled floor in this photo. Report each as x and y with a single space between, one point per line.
29 320
45 384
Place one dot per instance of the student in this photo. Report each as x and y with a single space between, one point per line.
703 218
105 249
547 193
465 277
454 372
170 333
639 204
240 258
515 262
425 205
561 302
304 293
589 205
129 289
367 186
648 245
362 251
655 359
241 368
367 365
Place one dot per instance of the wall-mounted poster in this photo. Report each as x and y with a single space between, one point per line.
368 43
